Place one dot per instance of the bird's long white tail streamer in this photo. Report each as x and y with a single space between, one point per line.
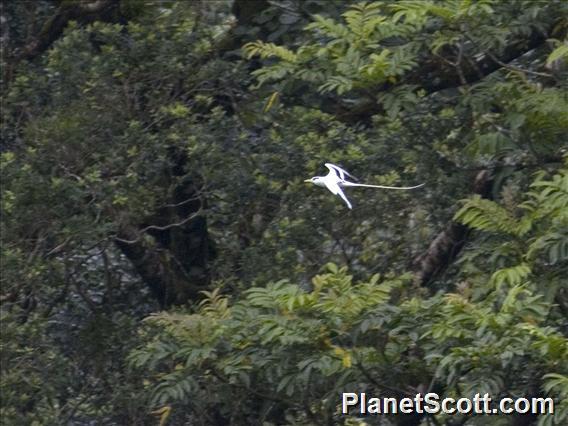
345 183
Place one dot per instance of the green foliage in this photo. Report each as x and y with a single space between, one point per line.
352 51
378 44
27 379
557 384
301 348
560 53
135 134
487 215
291 345
537 228
268 50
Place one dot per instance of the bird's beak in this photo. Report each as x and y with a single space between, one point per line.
307 180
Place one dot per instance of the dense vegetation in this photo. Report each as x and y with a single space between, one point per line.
163 261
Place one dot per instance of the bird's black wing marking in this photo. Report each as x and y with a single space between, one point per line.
341 173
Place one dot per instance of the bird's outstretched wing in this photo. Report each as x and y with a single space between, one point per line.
345 183
335 189
342 195
339 171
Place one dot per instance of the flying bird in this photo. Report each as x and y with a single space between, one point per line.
335 181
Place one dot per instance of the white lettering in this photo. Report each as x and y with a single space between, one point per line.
390 406
418 400
445 403
506 402
525 409
349 399
374 406
542 405
460 405
406 405
432 404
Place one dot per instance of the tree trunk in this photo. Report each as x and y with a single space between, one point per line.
448 243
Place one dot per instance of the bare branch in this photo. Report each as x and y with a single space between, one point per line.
159 228
55 25
509 66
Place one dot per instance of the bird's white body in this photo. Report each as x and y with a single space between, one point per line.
335 181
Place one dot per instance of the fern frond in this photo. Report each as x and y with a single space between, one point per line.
363 18
328 28
268 50
486 215
560 53
513 276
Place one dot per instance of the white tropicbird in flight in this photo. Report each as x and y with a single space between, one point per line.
335 181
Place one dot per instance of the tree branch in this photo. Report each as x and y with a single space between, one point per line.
446 78
437 74
448 243
508 66
158 228
55 25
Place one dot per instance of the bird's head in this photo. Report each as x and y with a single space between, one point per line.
316 180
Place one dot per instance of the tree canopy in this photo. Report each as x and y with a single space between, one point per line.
164 262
